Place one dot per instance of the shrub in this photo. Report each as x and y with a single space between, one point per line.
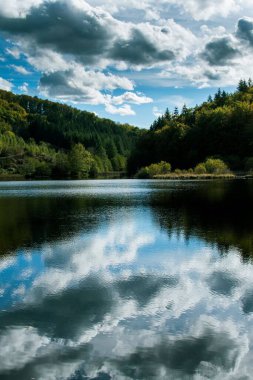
143 173
216 166
200 169
154 169
212 166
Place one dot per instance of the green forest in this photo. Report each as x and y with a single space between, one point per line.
221 128
41 138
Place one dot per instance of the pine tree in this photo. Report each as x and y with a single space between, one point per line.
176 113
184 110
167 114
242 86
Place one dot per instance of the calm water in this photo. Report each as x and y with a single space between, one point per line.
126 280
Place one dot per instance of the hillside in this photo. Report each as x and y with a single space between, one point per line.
43 138
221 127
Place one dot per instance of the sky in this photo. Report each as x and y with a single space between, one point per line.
126 60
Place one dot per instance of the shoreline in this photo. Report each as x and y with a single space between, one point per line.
171 176
186 176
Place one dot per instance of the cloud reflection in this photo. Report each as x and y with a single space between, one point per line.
127 301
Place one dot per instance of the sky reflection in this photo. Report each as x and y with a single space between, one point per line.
126 299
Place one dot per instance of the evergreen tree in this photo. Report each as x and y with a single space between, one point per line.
176 113
242 86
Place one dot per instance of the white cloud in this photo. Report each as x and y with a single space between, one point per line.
5 84
157 112
81 86
17 8
21 70
19 291
205 9
78 85
19 346
153 10
130 97
24 87
90 43
178 101
124 110
15 53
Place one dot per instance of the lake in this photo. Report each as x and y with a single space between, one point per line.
126 279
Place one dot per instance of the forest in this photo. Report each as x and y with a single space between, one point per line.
40 138
221 128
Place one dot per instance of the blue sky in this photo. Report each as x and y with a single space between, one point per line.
125 60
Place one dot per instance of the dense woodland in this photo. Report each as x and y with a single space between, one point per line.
40 138
221 128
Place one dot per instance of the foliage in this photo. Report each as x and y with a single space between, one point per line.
43 138
220 127
216 166
212 166
200 169
154 169
80 161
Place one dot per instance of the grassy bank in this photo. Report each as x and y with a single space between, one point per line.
195 176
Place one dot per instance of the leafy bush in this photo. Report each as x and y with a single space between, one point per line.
200 169
212 166
216 166
154 169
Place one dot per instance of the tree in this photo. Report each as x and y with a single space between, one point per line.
167 115
242 86
80 161
175 114
184 110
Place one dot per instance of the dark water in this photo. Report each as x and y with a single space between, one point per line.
126 280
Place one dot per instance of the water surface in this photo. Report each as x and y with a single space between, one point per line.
126 279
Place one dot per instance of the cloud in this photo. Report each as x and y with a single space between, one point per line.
245 29
220 52
125 110
131 97
21 70
17 8
78 85
5 84
92 35
24 87
206 9
15 53
19 346
76 44
153 10
81 86
157 112
139 50
177 101
69 27
222 282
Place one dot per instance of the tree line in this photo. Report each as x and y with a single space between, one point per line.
220 128
40 138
